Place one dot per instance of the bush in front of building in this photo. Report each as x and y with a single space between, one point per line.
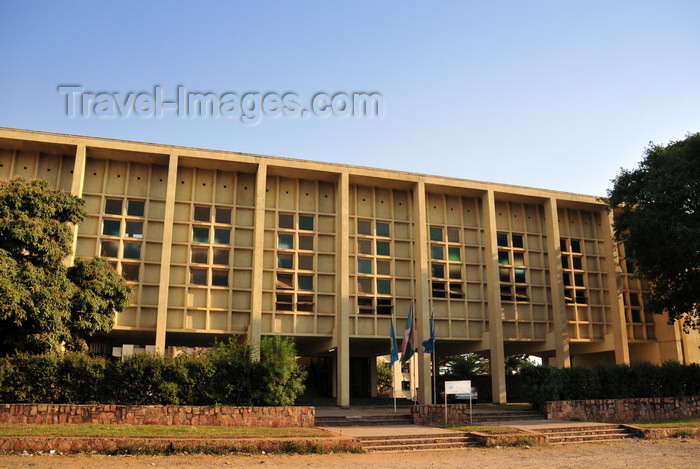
609 381
227 374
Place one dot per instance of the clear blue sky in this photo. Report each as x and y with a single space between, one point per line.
550 94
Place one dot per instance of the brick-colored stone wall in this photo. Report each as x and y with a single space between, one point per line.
434 415
625 410
298 416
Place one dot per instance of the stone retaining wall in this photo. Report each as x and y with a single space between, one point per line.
434 415
297 416
625 410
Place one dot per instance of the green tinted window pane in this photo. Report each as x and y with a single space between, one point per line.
222 236
219 278
383 248
437 252
135 208
111 227
503 257
435 233
438 270
562 245
134 229
565 262
364 266
113 206
454 254
384 286
502 239
455 271
452 235
518 241
383 230
306 282
578 280
306 243
575 245
285 261
285 241
578 265
200 235
306 223
520 276
132 250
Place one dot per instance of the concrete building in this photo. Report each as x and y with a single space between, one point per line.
216 243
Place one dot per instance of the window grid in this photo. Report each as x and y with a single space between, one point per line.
295 262
446 262
374 267
512 269
640 324
121 235
210 248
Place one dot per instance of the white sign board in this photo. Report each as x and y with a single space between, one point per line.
458 387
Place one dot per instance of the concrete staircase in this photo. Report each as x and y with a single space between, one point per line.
585 434
366 420
503 416
418 442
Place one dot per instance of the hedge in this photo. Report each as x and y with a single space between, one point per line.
609 381
224 375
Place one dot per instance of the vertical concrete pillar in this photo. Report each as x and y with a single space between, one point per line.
497 352
255 326
342 320
617 304
422 292
76 189
162 318
562 356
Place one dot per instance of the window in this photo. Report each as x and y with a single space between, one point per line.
208 233
575 291
512 270
123 218
295 262
446 268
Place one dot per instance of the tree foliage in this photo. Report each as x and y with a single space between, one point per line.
657 218
385 377
464 366
45 305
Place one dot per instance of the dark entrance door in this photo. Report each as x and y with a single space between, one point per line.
360 383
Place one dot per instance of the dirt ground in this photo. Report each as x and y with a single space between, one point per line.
675 453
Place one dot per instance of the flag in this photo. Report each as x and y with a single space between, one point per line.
409 337
394 345
429 344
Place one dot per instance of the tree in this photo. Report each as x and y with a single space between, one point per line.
515 363
45 305
464 366
385 377
657 219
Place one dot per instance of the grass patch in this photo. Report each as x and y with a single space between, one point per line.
151 431
488 429
688 423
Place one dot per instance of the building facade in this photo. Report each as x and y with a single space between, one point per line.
218 243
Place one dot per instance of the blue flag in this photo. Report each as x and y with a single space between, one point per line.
394 345
429 344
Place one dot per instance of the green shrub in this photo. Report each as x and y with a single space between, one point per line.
579 382
80 379
541 384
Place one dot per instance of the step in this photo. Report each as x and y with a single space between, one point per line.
587 434
343 421
417 442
